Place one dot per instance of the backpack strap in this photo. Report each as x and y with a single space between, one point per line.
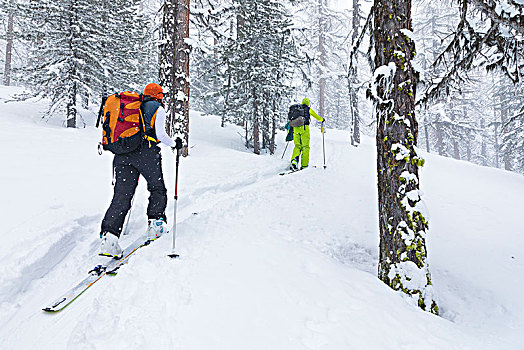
142 121
101 110
307 117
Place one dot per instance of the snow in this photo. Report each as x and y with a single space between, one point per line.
401 151
266 262
383 75
385 71
408 33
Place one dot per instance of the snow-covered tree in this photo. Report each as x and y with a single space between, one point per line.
64 48
259 65
81 49
352 78
9 7
13 52
509 108
129 52
402 221
174 67
486 34
325 42
214 27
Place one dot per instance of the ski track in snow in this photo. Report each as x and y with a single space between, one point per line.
33 265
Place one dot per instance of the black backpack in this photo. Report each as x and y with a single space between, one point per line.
298 115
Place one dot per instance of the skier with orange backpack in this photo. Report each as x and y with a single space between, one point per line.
134 126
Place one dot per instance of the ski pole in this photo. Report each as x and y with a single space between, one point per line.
287 144
178 147
323 144
125 231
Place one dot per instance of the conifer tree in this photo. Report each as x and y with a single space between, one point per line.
9 7
214 24
260 64
510 108
82 49
352 78
174 67
325 38
128 53
402 221
486 34
64 47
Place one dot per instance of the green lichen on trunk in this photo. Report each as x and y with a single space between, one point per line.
402 261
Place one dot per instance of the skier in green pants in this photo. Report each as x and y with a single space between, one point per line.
301 138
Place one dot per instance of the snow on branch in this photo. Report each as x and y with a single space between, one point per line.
494 43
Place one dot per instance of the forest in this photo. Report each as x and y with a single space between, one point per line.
469 103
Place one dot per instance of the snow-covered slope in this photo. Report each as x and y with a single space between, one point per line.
267 262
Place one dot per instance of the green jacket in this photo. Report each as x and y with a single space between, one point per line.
315 115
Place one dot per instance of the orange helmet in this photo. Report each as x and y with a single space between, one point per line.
154 90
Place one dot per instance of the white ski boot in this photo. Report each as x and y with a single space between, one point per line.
156 228
109 246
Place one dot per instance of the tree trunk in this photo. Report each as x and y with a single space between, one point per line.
440 141
226 99
426 132
456 150
507 153
353 81
246 130
483 150
9 44
174 68
228 88
496 132
402 260
265 123
355 127
71 108
256 124
273 132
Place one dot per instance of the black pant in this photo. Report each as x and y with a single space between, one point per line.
145 161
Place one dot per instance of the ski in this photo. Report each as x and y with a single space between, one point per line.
112 270
95 275
287 172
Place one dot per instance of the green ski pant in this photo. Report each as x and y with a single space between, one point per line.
301 138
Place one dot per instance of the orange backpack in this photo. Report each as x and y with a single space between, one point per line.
122 127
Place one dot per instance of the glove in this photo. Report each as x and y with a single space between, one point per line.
178 142
178 145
